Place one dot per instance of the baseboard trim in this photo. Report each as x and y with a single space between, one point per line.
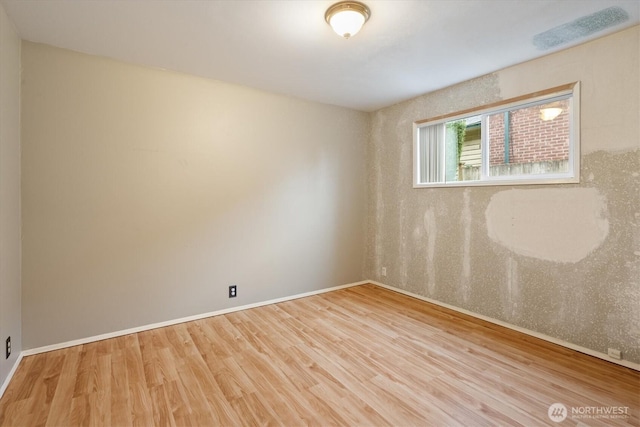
44 349
603 356
13 370
120 333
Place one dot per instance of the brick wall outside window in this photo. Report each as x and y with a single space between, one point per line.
531 139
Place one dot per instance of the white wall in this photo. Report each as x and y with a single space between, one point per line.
10 318
146 193
560 260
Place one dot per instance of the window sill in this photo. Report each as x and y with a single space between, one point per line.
497 182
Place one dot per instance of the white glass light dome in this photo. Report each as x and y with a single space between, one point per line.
347 17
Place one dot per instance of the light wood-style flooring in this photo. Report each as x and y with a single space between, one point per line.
361 356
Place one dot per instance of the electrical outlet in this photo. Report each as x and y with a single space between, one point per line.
615 354
8 348
233 292
384 271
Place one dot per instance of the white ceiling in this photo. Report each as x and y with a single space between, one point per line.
408 47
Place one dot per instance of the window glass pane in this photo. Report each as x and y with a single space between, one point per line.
468 160
450 152
529 141
432 153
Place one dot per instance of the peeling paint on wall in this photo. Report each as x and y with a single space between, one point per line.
431 230
560 225
561 260
512 291
466 245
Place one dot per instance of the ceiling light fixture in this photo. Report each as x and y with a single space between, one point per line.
347 17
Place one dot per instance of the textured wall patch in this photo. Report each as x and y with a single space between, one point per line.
561 225
580 27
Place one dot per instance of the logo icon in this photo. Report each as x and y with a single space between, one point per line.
557 412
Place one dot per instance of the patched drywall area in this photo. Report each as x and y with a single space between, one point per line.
560 225
561 260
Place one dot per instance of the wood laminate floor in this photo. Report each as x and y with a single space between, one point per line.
362 356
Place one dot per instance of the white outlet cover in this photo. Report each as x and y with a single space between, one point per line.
612 352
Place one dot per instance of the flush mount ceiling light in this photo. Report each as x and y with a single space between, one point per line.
347 17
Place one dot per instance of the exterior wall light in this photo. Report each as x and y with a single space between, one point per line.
547 114
550 111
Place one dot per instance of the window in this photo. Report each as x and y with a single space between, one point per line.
533 139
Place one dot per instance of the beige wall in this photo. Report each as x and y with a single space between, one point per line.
559 260
10 318
147 193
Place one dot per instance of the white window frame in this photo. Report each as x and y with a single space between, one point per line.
570 92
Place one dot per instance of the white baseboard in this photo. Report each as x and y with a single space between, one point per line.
603 356
13 370
101 337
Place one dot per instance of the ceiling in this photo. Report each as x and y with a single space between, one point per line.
408 47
